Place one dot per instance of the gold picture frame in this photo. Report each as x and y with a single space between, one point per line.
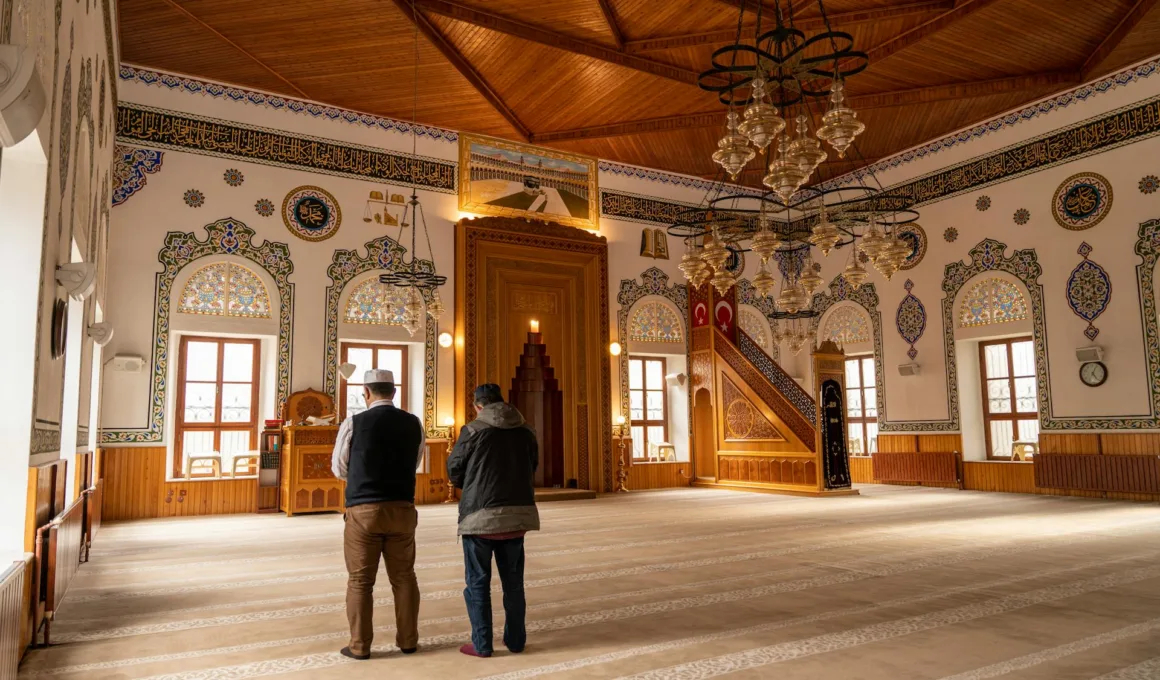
507 179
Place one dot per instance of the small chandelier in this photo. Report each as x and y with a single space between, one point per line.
413 311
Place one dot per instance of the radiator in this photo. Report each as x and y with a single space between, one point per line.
926 468
1095 472
12 616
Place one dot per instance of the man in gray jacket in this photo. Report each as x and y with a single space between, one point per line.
494 463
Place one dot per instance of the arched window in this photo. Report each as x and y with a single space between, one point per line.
992 301
374 303
655 322
755 328
847 325
225 289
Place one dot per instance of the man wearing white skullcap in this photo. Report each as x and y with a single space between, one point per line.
377 452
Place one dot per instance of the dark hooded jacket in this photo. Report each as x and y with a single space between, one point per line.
494 463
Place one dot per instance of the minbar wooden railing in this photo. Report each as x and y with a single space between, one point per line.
933 467
1098 472
12 618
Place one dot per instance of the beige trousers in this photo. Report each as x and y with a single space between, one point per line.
386 529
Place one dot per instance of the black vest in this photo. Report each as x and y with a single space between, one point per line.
384 452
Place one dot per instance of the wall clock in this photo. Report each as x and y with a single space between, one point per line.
1093 373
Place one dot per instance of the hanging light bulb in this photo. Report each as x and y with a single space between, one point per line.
413 311
435 307
762 124
854 273
810 281
824 235
715 254
786 175
733 150
840 125
763 281
873 243
765 242
806 150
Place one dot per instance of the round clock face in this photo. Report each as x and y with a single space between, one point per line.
1093 373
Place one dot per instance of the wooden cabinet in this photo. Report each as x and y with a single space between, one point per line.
307 482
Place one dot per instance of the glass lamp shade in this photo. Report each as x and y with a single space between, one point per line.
762 125
715 254
855 274
840 125
733 150
722 280
764 243
825 236
810 281
763 282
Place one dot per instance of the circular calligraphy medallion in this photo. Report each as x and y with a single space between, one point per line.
915 237
311 213
1082 201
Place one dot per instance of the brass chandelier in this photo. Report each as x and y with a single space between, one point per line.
771 84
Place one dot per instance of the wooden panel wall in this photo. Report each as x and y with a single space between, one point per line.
1019 477
46 485
776 472
135 487
861 470
1112 443
665 475
924 443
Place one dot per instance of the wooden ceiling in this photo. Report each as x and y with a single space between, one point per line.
617 78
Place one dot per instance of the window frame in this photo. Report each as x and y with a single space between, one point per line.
1015 415
862 420
644 423
217 427
400 387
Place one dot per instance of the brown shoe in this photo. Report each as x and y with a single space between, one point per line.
345 651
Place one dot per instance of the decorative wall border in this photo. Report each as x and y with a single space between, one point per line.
866 297
144 76
224 237
1125 125
628 207
137 124
130 165
673 179
653 282
383 254
1027 113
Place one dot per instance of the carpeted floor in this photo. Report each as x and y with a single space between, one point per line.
897 583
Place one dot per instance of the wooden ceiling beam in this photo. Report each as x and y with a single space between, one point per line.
610 19
961 10
839 20
1132 18
451 54
192 17
864 102
559 41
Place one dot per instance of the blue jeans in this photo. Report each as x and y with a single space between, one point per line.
509 559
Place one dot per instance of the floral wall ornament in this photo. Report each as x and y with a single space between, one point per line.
655 322
233 177
311 213
1022 216
865 296
748 295
194 198
983 203
910 319
1089 290
950 234
383 254
224 237
1082 201
130 165
264 207
847 325
915 237
991 301
1149 184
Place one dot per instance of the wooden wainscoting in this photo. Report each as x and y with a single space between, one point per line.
1095 472
861 469
1019 477
46 491
776 473
924 443
1110 443
661 475
135 486
12 609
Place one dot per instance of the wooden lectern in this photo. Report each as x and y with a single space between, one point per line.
536 393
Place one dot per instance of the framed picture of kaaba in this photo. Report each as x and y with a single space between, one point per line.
497 177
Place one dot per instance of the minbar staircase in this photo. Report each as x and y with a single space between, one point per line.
754 426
